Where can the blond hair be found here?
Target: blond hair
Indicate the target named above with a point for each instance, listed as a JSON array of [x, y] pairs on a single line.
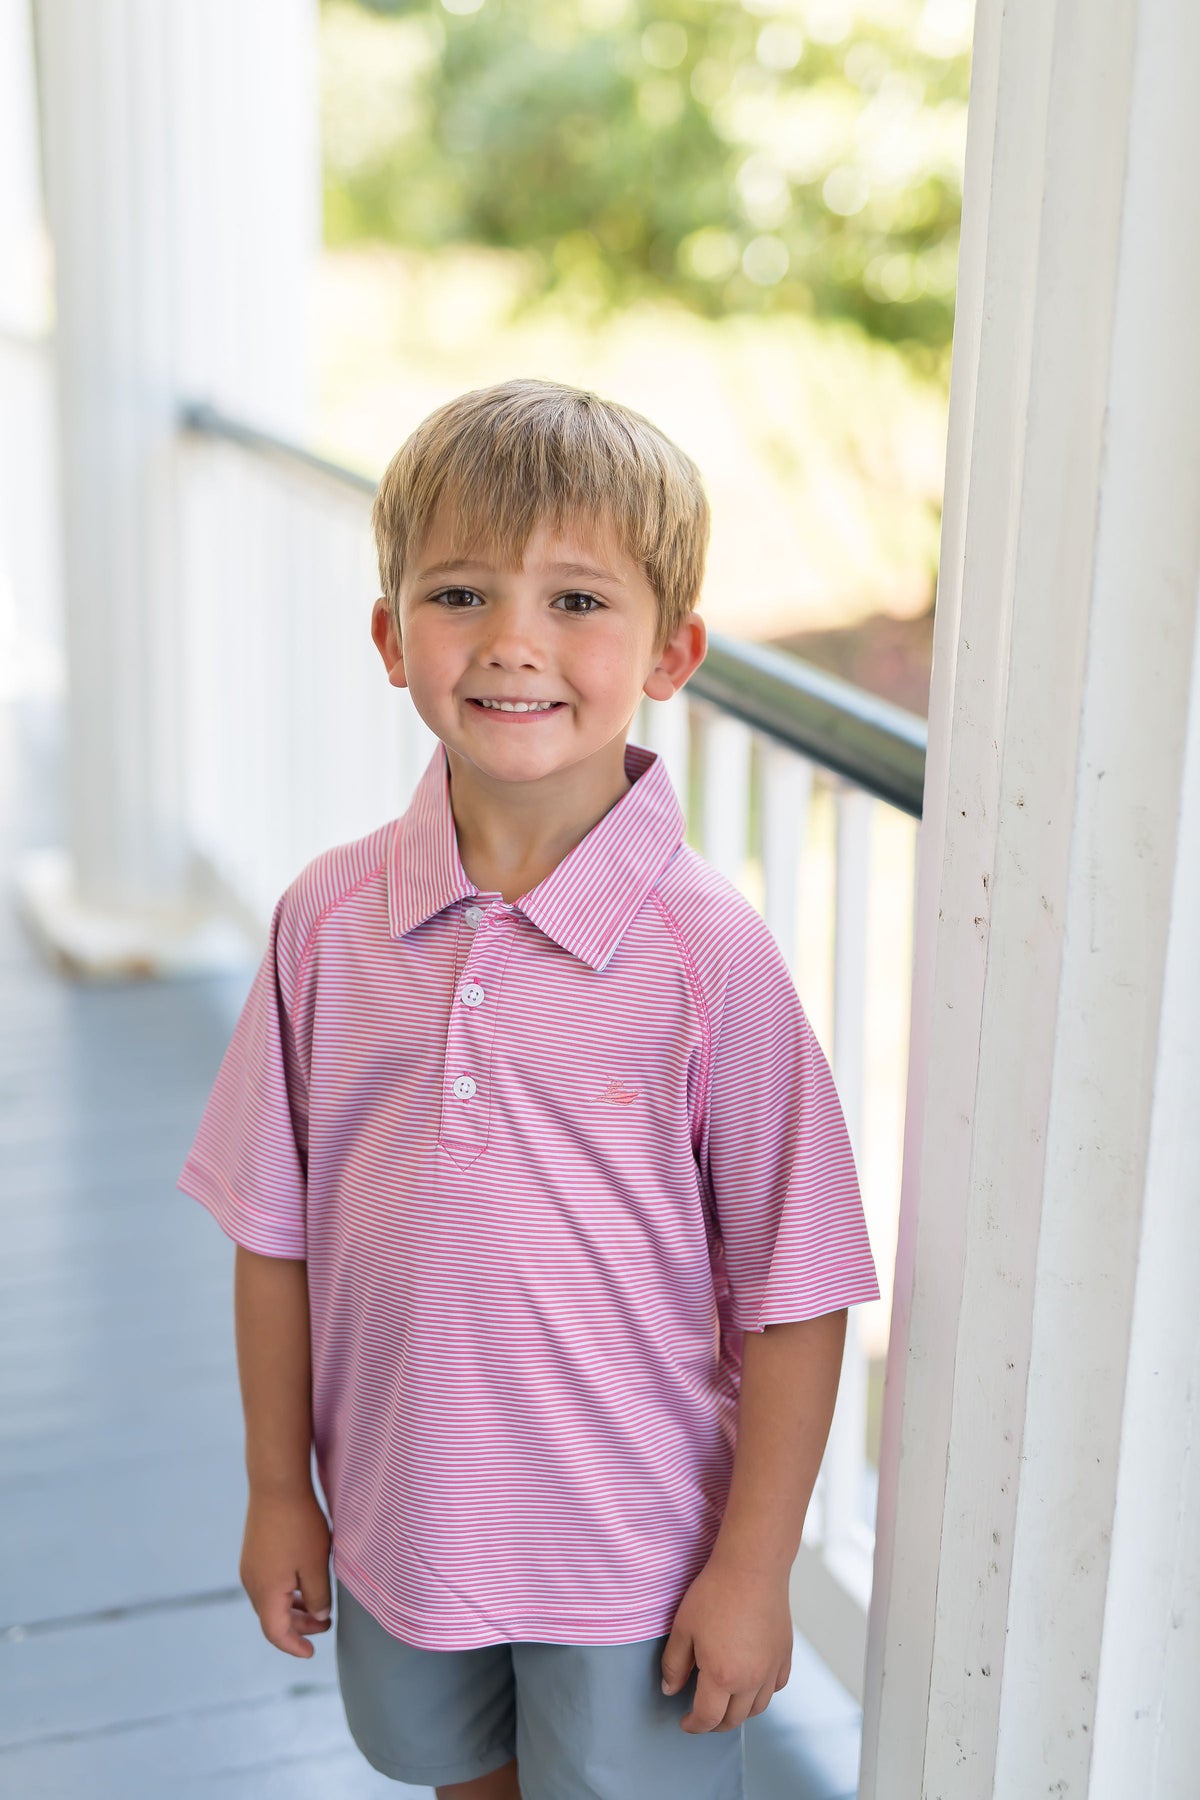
[[504, 459]]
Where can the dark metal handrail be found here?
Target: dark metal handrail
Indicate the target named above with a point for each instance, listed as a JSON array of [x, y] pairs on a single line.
[[208, 422], [872, 742]]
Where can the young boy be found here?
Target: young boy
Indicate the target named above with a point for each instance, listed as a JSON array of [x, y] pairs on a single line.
[[541, 1189]]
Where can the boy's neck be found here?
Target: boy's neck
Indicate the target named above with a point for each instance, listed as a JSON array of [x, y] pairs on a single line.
[[513, 834]]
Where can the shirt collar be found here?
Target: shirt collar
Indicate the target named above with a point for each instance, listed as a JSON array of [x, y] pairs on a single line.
[[584, 904]]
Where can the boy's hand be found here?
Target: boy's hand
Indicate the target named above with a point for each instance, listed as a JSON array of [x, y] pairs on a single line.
[[735, 1626], [285, 1568]]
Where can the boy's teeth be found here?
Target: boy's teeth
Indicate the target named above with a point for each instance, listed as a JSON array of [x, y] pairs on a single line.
[[518, 705]]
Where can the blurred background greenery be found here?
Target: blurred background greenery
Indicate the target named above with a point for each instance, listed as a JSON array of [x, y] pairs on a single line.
[[739, 216]]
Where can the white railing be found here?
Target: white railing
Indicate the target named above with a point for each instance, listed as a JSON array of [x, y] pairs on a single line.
[[295, 740], [807, 866]]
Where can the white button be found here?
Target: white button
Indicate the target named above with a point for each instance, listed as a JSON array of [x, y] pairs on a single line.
[[473, 915], [472, 994], [464, 1087]]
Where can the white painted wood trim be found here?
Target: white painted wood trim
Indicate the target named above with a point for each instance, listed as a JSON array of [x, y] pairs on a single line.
[[1048, 862], [1002, 177], [182, 184], [1116, 1070], [785, 790], [664, 726], [1147, 1726], [854, 808], [725, 747], [846, 1452], [22, 267]]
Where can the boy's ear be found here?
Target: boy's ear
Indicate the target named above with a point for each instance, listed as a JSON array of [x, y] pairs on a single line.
[[682, 653], [387, 641]]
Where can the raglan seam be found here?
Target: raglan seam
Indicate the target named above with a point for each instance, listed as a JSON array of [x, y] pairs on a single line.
[[693, 978], [310, 940]]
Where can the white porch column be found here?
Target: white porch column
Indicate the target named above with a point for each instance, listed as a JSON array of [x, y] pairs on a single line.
[[21, 271], [182, 183], [31, 662], [1035, 1623]]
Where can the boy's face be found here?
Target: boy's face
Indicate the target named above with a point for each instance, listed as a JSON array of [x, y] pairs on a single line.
[[575, 625]]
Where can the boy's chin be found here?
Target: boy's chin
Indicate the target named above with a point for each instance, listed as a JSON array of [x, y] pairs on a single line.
[[523, 754]]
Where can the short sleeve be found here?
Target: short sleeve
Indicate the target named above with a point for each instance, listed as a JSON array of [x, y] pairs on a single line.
[[248, 1163], [776, 1154]]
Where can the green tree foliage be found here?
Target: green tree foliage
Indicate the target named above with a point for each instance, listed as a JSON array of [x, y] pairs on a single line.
[[794, 155]]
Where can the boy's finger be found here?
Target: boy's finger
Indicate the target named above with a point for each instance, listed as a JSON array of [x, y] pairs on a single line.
[[279, 1626], [313, 1592], [307, 1623], [678, 1658], [709, 1706]]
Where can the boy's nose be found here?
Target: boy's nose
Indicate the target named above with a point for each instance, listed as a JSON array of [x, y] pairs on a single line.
[[512, 642]]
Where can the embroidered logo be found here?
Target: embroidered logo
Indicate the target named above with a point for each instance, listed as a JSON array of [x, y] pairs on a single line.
[[618, 1093]]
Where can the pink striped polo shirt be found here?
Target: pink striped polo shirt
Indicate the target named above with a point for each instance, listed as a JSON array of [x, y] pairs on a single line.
[[547, 1161]]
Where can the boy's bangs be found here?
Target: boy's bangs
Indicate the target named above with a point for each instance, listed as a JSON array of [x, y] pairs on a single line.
[[495, 525], [493, 465]]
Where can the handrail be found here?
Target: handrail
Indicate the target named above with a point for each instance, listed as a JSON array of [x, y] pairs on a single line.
[[206, 421], [870, 741]]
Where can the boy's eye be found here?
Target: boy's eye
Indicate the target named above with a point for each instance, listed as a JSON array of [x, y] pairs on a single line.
[[451, 597]]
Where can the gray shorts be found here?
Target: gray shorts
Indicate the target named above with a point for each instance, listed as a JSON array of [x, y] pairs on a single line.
[[585, 1721]]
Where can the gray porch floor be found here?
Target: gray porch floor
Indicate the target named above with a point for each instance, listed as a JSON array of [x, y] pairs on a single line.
[[131, 1663]]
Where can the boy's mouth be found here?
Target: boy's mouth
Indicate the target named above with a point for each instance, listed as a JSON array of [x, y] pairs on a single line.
[[516, 709]]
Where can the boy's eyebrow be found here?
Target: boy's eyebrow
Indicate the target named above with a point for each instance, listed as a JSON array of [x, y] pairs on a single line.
[[583, 570]]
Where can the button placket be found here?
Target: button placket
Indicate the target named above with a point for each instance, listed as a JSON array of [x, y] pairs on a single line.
[[470, 1036]]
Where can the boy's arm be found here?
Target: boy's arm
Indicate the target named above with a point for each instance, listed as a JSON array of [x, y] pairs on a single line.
[[287, 1540], [734, 1623], [274, 1351], [789, 1385]]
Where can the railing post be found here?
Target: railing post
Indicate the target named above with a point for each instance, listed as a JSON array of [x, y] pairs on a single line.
[[664, 726], [845, 1458], [785, 792], [725, 747]]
